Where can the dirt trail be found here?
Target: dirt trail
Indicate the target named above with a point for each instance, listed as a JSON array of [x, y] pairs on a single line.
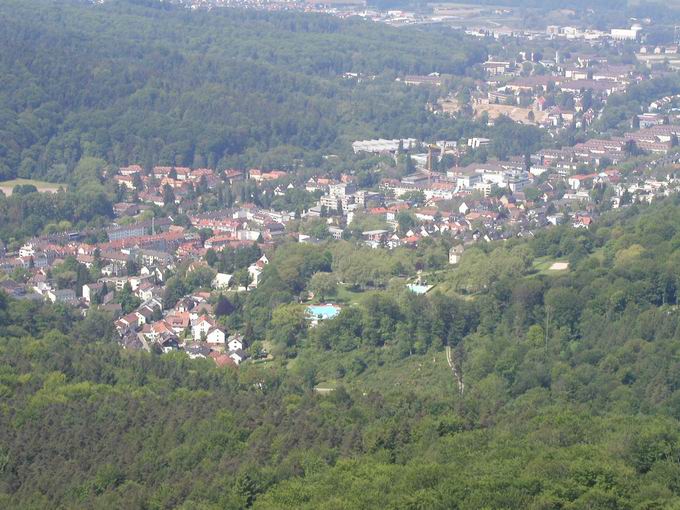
[[454, 369]]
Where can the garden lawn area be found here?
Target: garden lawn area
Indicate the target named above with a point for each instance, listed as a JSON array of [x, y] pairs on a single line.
[[549, 265], [346, 296], [447, 288]]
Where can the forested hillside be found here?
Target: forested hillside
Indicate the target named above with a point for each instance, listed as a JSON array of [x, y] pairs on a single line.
[[571, 399], [143, 82]]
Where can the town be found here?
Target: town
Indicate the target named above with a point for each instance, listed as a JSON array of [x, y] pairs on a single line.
[[463, 191], [480, 202], [339, 254]]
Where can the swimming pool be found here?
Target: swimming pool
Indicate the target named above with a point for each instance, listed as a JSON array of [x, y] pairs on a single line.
[[323, 312], [418, 289]]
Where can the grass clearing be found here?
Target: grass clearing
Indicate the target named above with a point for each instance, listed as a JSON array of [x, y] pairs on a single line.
[[447, 287], [549, 265], [347, 296], [417, 374], [43, 187], [326, 387]]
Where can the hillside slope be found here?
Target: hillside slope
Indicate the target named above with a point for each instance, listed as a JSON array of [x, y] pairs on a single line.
[[147, 83], [572, 396]]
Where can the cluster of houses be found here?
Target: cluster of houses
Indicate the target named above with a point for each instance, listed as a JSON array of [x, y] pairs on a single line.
[[483, 200], [499, 199], [189, 326], [547, 92], [657, 140], [491, 200], [551, 92]]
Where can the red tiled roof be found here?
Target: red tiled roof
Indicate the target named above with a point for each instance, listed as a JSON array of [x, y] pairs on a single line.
[[222, 360]]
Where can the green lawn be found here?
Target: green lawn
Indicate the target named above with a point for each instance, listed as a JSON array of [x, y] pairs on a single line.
[[42, 186], [446, 287], [346, 296], [542, 265]]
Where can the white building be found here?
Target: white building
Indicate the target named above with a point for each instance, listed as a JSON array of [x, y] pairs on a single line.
[[455, 254], [381, 146], [201, 327], [478, 142], [517, 181], [216, 335], [221, 281], [255, 271], [90, 290], [626, 34], [238, 356], [235, 343], [465, 178], [27, 250]]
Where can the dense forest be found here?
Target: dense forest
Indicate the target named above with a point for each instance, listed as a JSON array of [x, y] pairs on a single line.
[[571, 392], [145, 82]]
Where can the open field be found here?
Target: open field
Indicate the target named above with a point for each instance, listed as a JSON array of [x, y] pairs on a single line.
[[43, 187], [549, 265], [417, 374], [516, 113], [346, 296]]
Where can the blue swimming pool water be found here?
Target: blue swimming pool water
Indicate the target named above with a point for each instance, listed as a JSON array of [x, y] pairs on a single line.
[[418, 289], [323, 311]]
